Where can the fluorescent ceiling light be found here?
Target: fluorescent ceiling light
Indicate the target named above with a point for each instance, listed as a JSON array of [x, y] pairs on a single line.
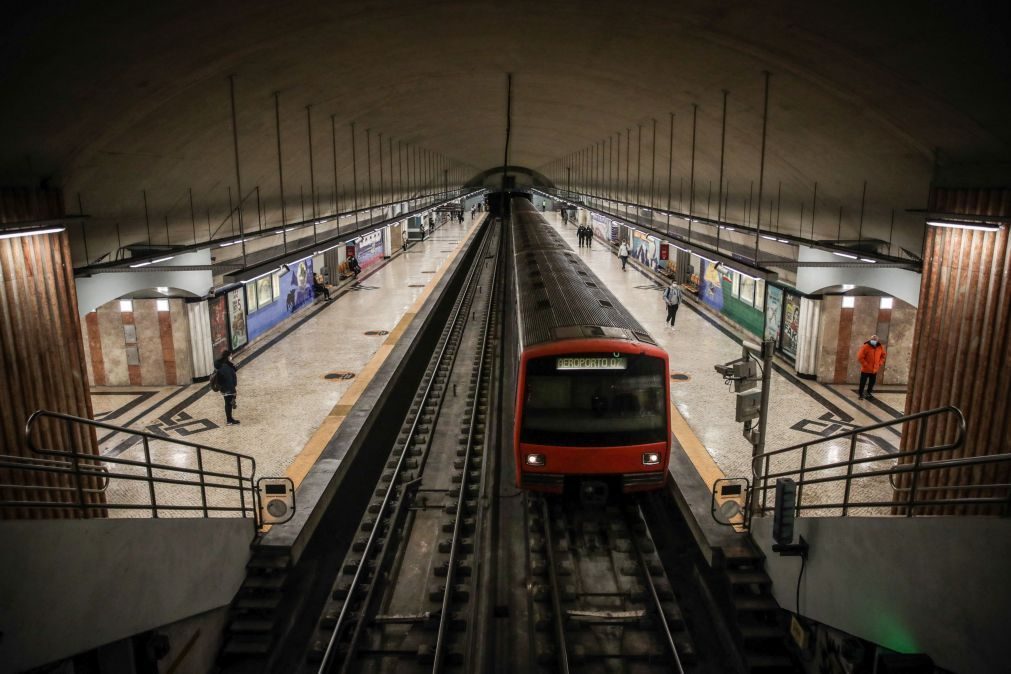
[[852, 257], [161, 259], [783, 240], [952, 224], [864, 259], [139, 264], [770, 238], [30, 232], [848, 286]]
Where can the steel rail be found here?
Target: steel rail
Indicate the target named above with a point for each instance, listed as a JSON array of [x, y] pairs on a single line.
[[657, 604], [556, 601], [440, 639], [331, 649]]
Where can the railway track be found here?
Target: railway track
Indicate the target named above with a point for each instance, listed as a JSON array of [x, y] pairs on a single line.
[[602, 601], [402, 599]]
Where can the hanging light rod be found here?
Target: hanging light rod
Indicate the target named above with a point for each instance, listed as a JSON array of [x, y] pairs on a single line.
[[986, 223], [28, 231], [957, 224]]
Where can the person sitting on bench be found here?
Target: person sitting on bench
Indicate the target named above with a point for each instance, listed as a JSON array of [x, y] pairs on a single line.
[[319, 286]]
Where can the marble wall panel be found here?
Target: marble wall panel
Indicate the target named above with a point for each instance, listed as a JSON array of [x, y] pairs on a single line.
[[831, 311], [163, 344], [900, 341], [149, 342], [181, 341], [843, 331], [110, 328]]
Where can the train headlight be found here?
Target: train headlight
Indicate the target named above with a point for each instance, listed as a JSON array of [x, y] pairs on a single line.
[[535, 459], [650, 458]]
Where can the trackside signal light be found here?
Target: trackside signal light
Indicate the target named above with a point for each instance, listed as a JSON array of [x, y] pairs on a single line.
[[650, 458], [535, 460]]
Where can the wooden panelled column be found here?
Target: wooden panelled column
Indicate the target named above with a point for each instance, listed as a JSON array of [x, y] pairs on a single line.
[[42, 362], [962, 344]]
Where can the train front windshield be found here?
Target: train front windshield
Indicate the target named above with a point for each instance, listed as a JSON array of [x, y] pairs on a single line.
[[594, 400]]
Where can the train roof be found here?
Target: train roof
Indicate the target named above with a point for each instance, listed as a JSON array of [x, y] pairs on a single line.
[[559, 296]]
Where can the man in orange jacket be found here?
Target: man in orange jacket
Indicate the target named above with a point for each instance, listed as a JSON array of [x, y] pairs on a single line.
[[872, 358]]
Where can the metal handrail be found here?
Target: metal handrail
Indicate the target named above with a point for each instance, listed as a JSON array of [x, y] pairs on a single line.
[[806, 474], [17, 462], [84, 466]]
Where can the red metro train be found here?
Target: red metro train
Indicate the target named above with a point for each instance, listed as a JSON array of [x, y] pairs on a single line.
[[593, 392]]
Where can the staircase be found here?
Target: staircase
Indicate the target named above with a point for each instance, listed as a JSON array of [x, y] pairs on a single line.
[[253, 617]]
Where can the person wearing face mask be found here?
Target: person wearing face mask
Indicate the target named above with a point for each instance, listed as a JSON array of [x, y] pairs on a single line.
[[872, 358]]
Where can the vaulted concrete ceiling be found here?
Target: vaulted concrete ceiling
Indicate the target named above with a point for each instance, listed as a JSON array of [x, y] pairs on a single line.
[[108, 99]]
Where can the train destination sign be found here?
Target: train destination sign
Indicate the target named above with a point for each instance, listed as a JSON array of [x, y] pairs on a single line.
[[592, 363]]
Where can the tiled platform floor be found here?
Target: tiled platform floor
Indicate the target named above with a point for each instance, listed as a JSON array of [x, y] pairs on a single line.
[[283, 392], [800, 410]]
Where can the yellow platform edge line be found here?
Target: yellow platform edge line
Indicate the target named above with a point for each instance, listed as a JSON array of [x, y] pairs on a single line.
[[310, 453], [696, 451]]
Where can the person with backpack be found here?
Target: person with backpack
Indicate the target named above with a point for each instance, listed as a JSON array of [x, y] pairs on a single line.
[[623, 255], [672, 298], [224, 380]]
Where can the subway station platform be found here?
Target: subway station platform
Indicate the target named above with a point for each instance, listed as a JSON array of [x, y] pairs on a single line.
[[296, 382], [704, 407]]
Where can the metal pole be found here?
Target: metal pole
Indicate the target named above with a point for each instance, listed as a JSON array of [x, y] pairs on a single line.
[[84, 232], [761, 169], [312, 171], [147, 218], [814, 207], [779, 203], [280, 167], [167, 241], [652, 171], [768, 348], [368, 168], [193, 216], [863, 202], [670, 170], [628, 157], [691, 180], [238, 174], [259, 221], [638, 170], [381, 172], [723, 149], [354, 173], [336, 186]]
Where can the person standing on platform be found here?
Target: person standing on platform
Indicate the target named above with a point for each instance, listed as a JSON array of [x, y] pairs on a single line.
[[872, 358], [672, 298], [623, 255], [589, 236], [227, 380], [579, 235]]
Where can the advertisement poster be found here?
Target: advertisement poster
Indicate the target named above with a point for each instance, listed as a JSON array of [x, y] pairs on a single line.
[[711, 285], [295, 292], [773, 312], [791, 324], [237, 318], [218, 311], [370, 249], [645, 249]]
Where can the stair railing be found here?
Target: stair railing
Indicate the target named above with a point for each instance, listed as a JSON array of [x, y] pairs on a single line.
[[904, 470], [225, 480]]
